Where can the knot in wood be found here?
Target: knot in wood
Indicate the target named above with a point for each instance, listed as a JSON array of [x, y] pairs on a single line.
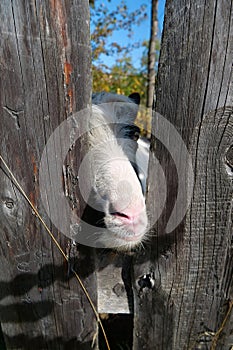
[[9, 203], [119, 289], [146, 281]]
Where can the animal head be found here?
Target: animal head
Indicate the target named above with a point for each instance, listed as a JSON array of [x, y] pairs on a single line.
[[117, 191]]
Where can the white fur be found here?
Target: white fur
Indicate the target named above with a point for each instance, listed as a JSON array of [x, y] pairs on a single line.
[[117, 188]]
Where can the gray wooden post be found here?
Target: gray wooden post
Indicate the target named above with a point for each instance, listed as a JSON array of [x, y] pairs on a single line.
[[191, 267], [45, 77]]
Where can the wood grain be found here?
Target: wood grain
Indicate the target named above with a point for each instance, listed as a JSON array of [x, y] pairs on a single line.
[[45, 77], [191, 266]]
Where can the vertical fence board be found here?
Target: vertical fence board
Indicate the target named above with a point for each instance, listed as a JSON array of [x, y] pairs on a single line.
[[45, 77], [191, 266]]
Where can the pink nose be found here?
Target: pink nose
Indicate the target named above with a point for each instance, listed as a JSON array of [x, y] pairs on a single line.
[[134, 222]]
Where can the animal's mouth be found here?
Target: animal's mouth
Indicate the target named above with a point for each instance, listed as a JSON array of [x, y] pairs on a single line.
[[133, 237], [133, 228]]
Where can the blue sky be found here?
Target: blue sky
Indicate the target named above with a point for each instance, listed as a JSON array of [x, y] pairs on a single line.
[[141, 32]]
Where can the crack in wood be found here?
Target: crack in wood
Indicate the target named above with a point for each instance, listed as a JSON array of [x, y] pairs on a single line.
[[70, 180], [14, 114]]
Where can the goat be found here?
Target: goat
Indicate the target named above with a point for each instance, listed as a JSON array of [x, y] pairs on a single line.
[[116, 189]]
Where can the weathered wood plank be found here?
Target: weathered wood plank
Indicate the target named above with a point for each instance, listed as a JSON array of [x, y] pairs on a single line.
[[191, 266], [45, 76], [115, 294]]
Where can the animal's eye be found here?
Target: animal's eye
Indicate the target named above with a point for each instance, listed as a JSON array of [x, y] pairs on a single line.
[[136, 135], [132, 132]]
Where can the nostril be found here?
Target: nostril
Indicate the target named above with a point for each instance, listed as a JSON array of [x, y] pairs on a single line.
[[121, 215]]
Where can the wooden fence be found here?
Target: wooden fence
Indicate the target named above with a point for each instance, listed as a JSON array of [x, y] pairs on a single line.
[[179, 290]]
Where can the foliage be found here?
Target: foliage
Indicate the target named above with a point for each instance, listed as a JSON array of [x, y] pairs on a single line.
[[122, 77], [105, 22]]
